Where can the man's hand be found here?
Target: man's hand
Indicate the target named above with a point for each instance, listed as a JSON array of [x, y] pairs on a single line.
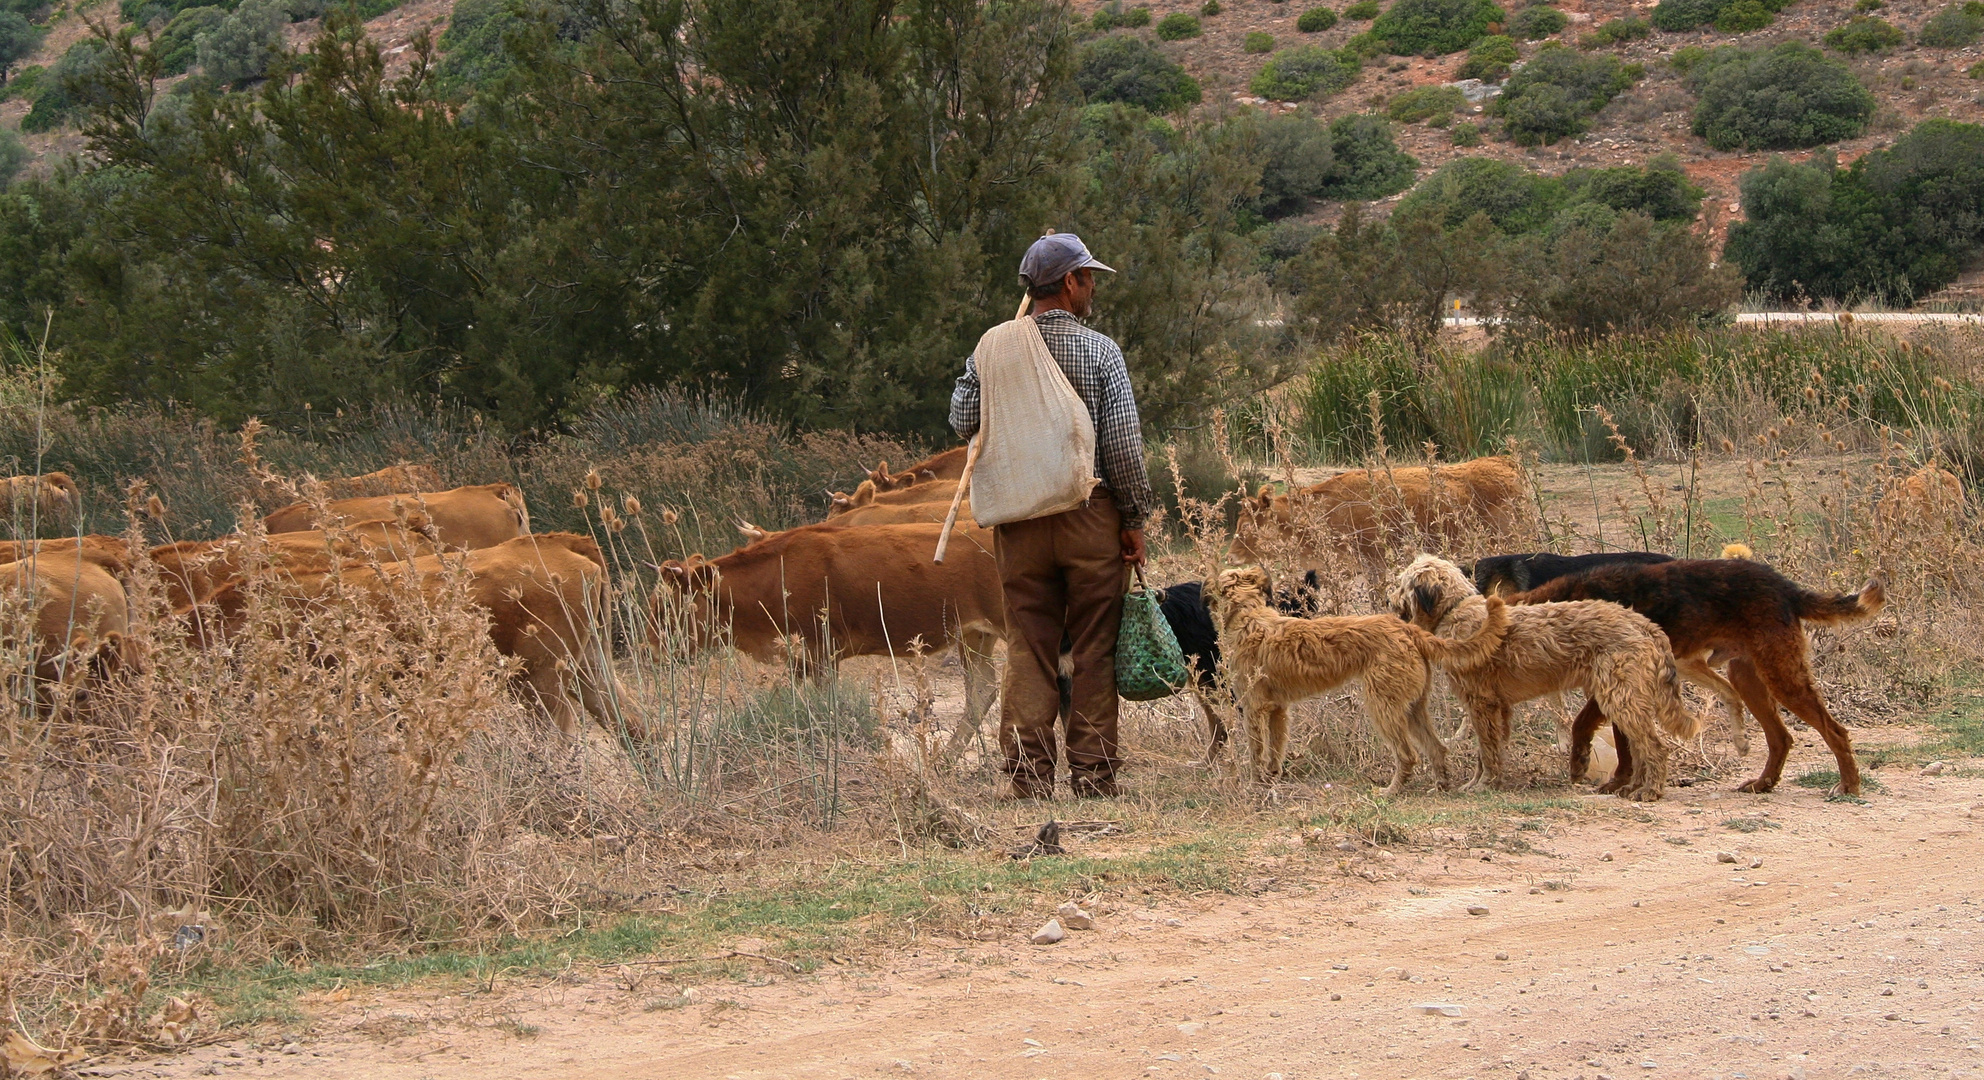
[[1133, 546]]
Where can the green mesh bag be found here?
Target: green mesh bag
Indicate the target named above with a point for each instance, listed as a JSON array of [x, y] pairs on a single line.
[[1149, 664]]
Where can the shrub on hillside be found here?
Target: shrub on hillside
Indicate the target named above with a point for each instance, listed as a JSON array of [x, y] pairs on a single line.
[[1303, 72], [1898, 224], [1467, 133], [1113, 16], [1298, 160], [1424, 103], [25, 84], [1257, 41], [1536, 22], [1660, 190], [1126, 68], [1743, 16], [1786, 97], [1678, 15], [1557, 92], [19, 38], [1210, 8], [1316, 20], [1616, 32], [243, 45], [1435, 27], [1954, 26], [13, 157], [1863, 34], [1362, 10], [67, 87], [1513, 198], [1369, 164], [1489, 59], [177, 46], [1687, 58], [1869, 5], [1178, 26]]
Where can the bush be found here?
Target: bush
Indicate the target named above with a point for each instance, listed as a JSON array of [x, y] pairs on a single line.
[[68, 87], [1953, 27], [1316, 20], [1435, 27], [177, 46], [1536, 22], [19, 38], [1467, 133], [1660, 190], [1514, 199], [1210, 8], [25, 84], [1869, 5], [1126, 68], [1687, 58], [1744, 16], [1786, 97], [1898, 224], [1114, 16], [1557, 93], [1362, 11], [243, 45], [1620, 273], [1863, 34], [1257, 41], [13, 156], [1303, 72], [1369, 164], [1178, 26], [1489, 59], [1976, 71], [1364, 46], [472, 47], [1298, 163], [1617, 31], [1425, 102]]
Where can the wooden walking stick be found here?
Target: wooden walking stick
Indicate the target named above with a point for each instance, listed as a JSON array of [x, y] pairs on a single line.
[[970, 461]]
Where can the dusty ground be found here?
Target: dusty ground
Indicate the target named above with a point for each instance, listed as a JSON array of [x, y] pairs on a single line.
[[1844, 940]]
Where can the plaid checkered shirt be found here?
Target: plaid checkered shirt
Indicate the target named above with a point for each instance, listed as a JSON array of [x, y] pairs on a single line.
[[1094, 366]]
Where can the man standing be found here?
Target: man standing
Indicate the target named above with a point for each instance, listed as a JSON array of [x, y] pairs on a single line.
[[1064, 573]]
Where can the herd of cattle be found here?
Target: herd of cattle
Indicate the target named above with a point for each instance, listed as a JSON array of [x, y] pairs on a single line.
[[860, 583]]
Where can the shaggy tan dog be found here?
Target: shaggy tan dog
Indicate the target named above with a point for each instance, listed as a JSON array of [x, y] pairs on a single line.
[[1620, 659], [1278, 660]]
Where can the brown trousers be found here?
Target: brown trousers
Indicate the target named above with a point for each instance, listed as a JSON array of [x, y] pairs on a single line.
[[1062, 574]]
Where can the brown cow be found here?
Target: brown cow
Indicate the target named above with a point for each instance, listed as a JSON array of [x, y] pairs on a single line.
[[867, 494], [109, 550], [862, 591], [194, 570], [398, 479], [81, 620], [546, 599], [53, 497], [466, 517], [948, 465], [1369, 511]]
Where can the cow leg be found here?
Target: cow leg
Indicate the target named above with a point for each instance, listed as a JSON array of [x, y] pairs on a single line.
[[975, 658]]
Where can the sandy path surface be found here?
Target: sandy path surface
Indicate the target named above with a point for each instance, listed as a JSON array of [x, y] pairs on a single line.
[[1619, 946]]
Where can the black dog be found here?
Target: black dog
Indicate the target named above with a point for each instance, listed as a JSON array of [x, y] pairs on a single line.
[[1505, 574]]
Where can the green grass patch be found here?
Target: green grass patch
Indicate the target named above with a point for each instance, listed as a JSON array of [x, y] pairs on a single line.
[[1823, 779]]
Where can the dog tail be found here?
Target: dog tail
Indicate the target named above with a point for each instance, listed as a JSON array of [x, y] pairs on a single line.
[[1471, 651], [1842, 607], [1676, 718]]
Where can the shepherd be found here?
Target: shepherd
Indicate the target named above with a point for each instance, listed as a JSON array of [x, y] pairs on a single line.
[[1064, 572]]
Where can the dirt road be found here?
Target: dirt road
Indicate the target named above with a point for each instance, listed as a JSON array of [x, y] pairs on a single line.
[[1843, 940]]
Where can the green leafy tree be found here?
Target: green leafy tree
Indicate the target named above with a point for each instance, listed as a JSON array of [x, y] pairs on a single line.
[[1863, 34], [1178, 26], [1785, 97], [68, 87], [1536, 22], [1396, 275], [1303, 72], [1298, 162], [1369, 164], [1616, 273], [1126, 68], [1112, 16], [1435, 27], [13, 157], [177, 45], [1557, 92], [1509, 196], [1660, 189], [243, 45], [19, 38], [1675, 16], [472, 52]]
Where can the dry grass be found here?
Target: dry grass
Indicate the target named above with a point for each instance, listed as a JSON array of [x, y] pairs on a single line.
[[354, 778]]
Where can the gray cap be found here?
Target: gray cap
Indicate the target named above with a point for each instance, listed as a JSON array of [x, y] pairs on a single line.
[[1051, 258]]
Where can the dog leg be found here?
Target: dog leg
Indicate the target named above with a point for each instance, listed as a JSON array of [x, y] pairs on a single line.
[[1790, 681], [1215, 727], [1421, 732], [1622, 776], [1777, 736], [1277, 737], [1491, 730], [1695, 669], [1583, 727]]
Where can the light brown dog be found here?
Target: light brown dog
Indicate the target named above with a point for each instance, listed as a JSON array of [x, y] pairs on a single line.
[[1618, 658], [1367, 511], [1278, 660]]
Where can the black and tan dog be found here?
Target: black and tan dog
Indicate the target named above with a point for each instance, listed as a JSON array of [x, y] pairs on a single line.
[[1504, 575], [1712, 609]]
